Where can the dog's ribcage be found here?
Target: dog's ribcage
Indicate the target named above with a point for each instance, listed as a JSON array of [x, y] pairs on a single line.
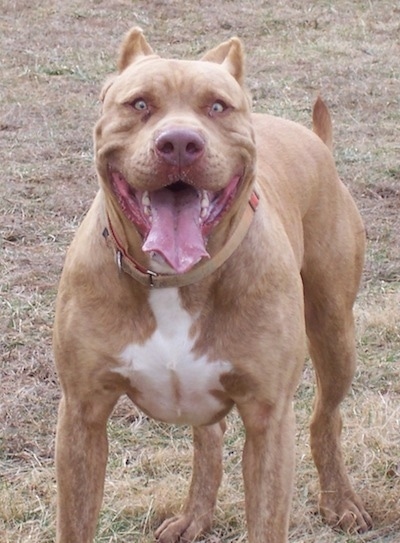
[[169, 381]]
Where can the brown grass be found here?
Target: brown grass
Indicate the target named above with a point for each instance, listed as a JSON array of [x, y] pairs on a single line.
[[54, 56]]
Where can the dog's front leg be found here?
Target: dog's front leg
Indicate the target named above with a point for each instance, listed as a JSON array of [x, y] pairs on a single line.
[[198, 511], [81, 457], [268, 465]]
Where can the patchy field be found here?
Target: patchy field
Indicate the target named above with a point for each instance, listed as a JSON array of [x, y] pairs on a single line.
[[54, 57]]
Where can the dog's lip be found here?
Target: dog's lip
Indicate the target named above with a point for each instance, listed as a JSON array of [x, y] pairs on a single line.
[[130, 201], [136, 203]]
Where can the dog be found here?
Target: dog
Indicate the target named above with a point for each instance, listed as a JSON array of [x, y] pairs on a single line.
[[219, 244]]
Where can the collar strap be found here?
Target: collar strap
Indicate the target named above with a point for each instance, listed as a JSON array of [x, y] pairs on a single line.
[[150, 278]]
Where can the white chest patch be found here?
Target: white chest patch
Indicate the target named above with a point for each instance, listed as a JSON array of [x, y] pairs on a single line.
[[169, 381]]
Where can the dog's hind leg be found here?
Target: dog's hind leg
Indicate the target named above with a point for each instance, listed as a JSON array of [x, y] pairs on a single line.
[[331, 277], [198, 511], [334, 362]]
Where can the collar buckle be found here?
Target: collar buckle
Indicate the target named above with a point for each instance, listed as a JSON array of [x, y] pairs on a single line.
[[118, 260], [151, 274]]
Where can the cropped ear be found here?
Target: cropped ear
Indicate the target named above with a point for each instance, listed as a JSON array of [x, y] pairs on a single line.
[[133, 46], [229, 54]]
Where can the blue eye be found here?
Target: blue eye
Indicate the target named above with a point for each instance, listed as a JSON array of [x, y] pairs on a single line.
[[140, 105], [218, 107]]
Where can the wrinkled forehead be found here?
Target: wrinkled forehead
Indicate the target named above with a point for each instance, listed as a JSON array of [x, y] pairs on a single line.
[[167, 77]]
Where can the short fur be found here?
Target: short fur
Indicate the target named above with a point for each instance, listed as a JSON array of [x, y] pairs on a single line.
[[238, 336]]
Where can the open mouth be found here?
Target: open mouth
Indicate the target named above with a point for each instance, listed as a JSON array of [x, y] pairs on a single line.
[[176, 220]]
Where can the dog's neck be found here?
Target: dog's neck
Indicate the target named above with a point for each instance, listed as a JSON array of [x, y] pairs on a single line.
[[127, 264]]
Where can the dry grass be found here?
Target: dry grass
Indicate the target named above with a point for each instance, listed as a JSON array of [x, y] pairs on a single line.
[[54, 56]]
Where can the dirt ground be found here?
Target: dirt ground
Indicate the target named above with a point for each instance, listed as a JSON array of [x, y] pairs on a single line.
[[54, 56]]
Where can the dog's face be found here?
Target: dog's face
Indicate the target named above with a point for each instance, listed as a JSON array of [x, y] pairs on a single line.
[[175, 147]]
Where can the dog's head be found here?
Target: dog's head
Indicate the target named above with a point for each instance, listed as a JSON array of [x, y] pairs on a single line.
[[175, 147]]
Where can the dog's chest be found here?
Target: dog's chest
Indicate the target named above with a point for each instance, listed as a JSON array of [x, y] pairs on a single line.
[[169, 381]]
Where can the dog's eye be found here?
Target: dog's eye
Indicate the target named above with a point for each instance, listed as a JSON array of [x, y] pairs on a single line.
[[218, 107], [140, 105]]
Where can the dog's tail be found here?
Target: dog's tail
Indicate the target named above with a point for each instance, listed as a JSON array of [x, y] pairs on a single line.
[[322, 123]]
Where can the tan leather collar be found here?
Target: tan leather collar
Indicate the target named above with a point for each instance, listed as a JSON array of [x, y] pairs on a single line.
[[150, 278]]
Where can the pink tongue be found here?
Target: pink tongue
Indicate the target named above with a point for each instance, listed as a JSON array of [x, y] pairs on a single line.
[[175, 231]]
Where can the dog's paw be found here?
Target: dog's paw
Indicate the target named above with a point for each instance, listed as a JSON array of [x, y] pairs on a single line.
[[183, 527], [347, 514]]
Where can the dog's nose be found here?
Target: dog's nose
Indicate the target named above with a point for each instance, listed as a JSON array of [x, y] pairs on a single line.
[[180, 146]]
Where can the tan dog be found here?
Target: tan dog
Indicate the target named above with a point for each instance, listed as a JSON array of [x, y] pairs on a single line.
[[191, 286]]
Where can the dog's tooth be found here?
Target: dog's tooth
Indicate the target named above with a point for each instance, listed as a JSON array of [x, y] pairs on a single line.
[[205, 200], [146, 199], [146, 204], [204, 204]]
